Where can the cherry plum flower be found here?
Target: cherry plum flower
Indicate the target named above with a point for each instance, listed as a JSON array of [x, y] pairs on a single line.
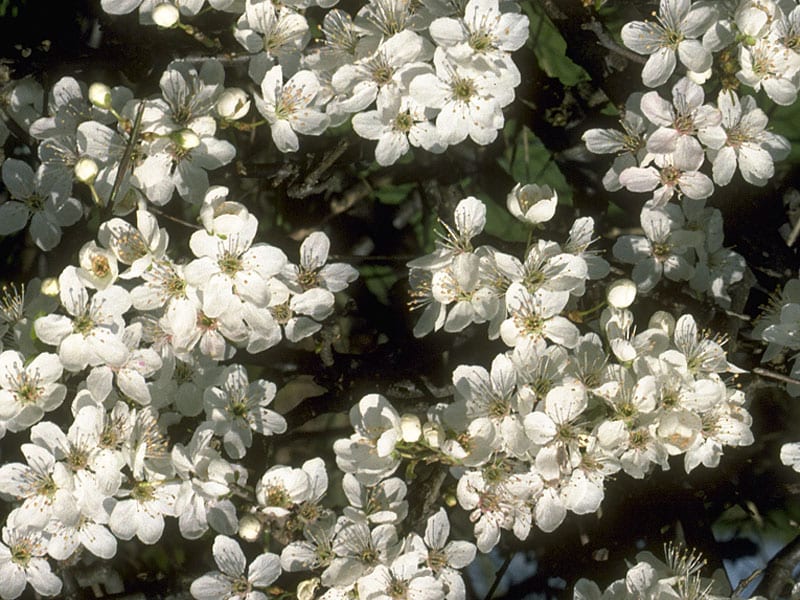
[[22, 561], [675, 32], [28, 391], [239, 407], [287, 107], [34, 197], [468, 99], [748, 145], [93, 335], [230, 582]]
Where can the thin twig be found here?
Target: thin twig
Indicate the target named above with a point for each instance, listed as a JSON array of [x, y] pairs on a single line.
[[746, 581], [794, 234], [499, 575], [161, 213], [358, 258], [776, 376], [606, 41], [308, 186], [133, 140]]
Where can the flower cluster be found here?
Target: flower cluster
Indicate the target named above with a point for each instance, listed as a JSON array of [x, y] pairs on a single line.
[[459, 284], [117, 376], [679, 575], [140, 336], [432, 75], [682, 243], [779, 328], [537, 434], [759, 35], [665, 142]]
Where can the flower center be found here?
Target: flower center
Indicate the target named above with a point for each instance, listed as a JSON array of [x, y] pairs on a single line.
[[34, 202], [206, 323], [47, 487], [437, 560], [684, 124], [12, 303], [638, 439], [278, 496], [143, 491], [368, 556], [83, 324], [308, 279], [737, 137], [670, 175], [403, 122], [498, 408], [480, 41], [566, 433], [238, 408], [100, 266], [78, 458], [464, 89], [397, 589], [240, 586], [229, 264], [28, 391], [184, 372], [281, 313], [382, 74], [661, 250], [672, 38], [530, 325], [21, 553]]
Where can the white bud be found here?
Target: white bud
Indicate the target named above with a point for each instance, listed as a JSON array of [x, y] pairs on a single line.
[[50, 287], [662, 320], [249, 528], [699, 77], [410, 427], [433, 434], [233, 103], [307, 588], [85, 170], [166, 15], [100, 95], [532, 203], [621, 293], [186, 139]]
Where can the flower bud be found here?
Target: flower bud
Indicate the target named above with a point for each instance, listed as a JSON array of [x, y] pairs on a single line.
[[664, 321], [100, 95], [532, 203], [433, 434], [186, 139], [699, 77], [85, 170], [621, 293], [233, 103], [166, 15], [50, 286], [307, 588], [410, 427], [249, 528]]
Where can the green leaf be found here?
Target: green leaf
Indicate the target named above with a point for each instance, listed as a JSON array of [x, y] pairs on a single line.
[[394, 194], [379, 279], [784, 120], [527, 160], [550, 48], [502, 224]]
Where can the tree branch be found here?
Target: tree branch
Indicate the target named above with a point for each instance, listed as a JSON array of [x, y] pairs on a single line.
[[778, 573]]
